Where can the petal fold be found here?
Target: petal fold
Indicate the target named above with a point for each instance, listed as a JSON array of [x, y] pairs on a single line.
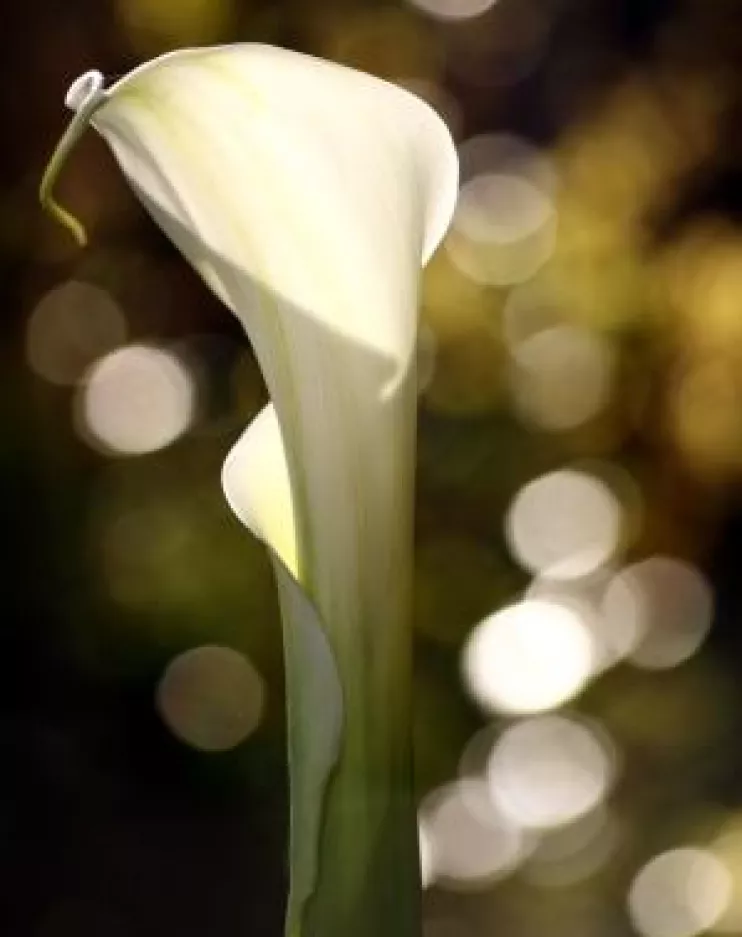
[[256, 483]]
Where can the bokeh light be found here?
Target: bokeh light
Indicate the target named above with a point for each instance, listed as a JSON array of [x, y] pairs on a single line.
[[562, 377], [528, 310], [211, 698], [565, 525], [503, 231], [472, 769], [679, 893], [528, 657], [504, 228], [727, 848], [136, 400], [550, 770], [453, 9], [704, 415], [509, 155], [663, 607], [570, 854], [469, 850], [500, 208], [70, 327], [584, 597]]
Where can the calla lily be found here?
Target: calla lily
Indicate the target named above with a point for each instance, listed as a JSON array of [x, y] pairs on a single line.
[[308, 195]]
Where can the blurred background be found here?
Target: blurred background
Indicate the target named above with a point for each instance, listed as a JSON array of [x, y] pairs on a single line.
[[578, 592]]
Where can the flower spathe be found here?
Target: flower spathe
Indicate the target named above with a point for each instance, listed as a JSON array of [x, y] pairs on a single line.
[[308, 195]]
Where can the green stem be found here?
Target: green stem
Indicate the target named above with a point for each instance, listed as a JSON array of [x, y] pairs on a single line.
[[368, 879], [85, 96], [368, 876]]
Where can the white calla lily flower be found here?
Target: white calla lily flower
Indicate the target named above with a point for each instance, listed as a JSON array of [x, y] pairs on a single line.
[[308, 195]]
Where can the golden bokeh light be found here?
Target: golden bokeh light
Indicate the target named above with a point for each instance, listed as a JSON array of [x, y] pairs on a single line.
[[528, 311], [679, 893], [562, 377], [727, 848], [508, 155], [700, 277], [453, 305], [625, 161], [385, 41], [467, 378], [705, 416], [156, 25], [504, 229]]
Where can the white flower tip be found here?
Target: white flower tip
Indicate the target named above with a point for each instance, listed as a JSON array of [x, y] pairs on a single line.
[[84, 90]]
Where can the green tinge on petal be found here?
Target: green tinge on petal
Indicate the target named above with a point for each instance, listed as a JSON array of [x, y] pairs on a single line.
[[256, 484], [315, 725]]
